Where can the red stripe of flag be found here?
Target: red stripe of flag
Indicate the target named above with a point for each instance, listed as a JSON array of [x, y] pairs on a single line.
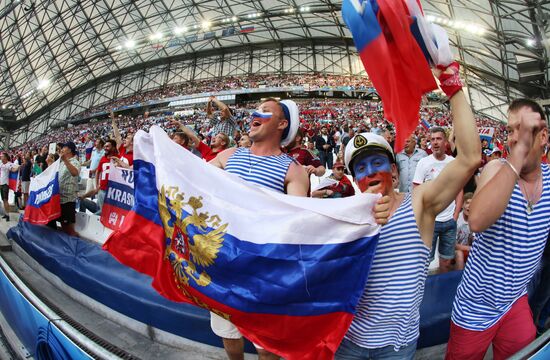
[[392, 58]]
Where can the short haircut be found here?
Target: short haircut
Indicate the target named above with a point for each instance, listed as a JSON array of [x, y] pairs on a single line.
[[182, 136], [112, 142], [436, 129], [225, 138], [531, 104], [468, 196]]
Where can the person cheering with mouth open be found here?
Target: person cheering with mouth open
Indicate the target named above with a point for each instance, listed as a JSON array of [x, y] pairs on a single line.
[[386, 323], [272, 126]]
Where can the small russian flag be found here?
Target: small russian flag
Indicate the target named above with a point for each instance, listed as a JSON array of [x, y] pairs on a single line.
[[425, 124], [12, 181], [247, 29]]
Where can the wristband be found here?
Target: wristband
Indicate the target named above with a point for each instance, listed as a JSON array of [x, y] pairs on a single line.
[[450, 84]]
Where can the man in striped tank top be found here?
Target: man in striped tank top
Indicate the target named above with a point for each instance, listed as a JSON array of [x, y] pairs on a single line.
[[509, 214], [386, 323], [273, 125]]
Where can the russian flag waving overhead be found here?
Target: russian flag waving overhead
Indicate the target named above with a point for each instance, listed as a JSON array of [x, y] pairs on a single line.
[[287, 271], [393, 59], [12, 180], [44, 202]]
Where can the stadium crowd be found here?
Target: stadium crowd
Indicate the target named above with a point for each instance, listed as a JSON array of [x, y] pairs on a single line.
[[328, 141], [309, 81]]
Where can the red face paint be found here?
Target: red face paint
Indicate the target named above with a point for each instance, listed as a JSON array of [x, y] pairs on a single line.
[[384, 187]]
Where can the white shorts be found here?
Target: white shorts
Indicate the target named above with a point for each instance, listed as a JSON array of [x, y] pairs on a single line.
[[225, 329], [25, 186]]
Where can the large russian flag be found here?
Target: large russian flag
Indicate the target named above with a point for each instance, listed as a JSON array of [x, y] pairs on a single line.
[[287, 271], [44, 202], [119, 199], [393, 59], [12, 180]]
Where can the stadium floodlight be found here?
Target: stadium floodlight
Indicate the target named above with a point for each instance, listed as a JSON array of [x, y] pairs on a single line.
[[156, 36], [530, 42], [4, 107], [475, 29], [118, 48], [42, 84], [234, 18], [430, 18], [27, 94], [460, 25], [179, 30], [206, 25], [129, 44]]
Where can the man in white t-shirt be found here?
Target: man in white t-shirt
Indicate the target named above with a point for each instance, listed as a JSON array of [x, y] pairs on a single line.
[[429, 168], [6, 166]]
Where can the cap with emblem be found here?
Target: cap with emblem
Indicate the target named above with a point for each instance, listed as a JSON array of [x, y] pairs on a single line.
[[365, 142]]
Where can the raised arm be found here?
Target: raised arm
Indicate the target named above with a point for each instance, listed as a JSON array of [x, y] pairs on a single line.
[[439, 193], [209, 108], [224, 109], [116, 132], [498, 178], [190, 133]]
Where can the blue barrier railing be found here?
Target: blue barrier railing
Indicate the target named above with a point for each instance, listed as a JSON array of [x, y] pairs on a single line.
[[39, 334]]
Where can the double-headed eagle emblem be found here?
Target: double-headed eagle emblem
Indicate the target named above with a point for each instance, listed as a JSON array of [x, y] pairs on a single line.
[[193, 238]]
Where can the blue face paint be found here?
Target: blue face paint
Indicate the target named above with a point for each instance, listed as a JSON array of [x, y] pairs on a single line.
[[370, 165]]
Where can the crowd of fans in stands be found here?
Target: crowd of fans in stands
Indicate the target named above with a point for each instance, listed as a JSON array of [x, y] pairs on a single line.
[[326, 127], [309, 81]]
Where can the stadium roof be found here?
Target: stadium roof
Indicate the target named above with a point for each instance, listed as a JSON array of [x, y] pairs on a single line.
[[51, 51]]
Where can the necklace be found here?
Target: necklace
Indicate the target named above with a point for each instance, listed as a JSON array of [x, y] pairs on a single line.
[[257, 162], [530, 198]]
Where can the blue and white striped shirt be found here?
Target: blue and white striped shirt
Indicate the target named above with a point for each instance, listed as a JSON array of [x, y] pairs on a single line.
[[388, 312], [267, 171], [502, 261]]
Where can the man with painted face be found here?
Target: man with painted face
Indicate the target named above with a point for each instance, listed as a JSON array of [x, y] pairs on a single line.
[[386, 323], [272, 126]]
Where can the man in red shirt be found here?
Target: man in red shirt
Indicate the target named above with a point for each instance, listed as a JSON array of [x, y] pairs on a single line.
[[125, 149], [311, 163], [219, 143]]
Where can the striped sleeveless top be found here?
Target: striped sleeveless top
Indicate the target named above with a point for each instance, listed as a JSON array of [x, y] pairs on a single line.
[[388, 312], [267, 171], [502, 261]]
